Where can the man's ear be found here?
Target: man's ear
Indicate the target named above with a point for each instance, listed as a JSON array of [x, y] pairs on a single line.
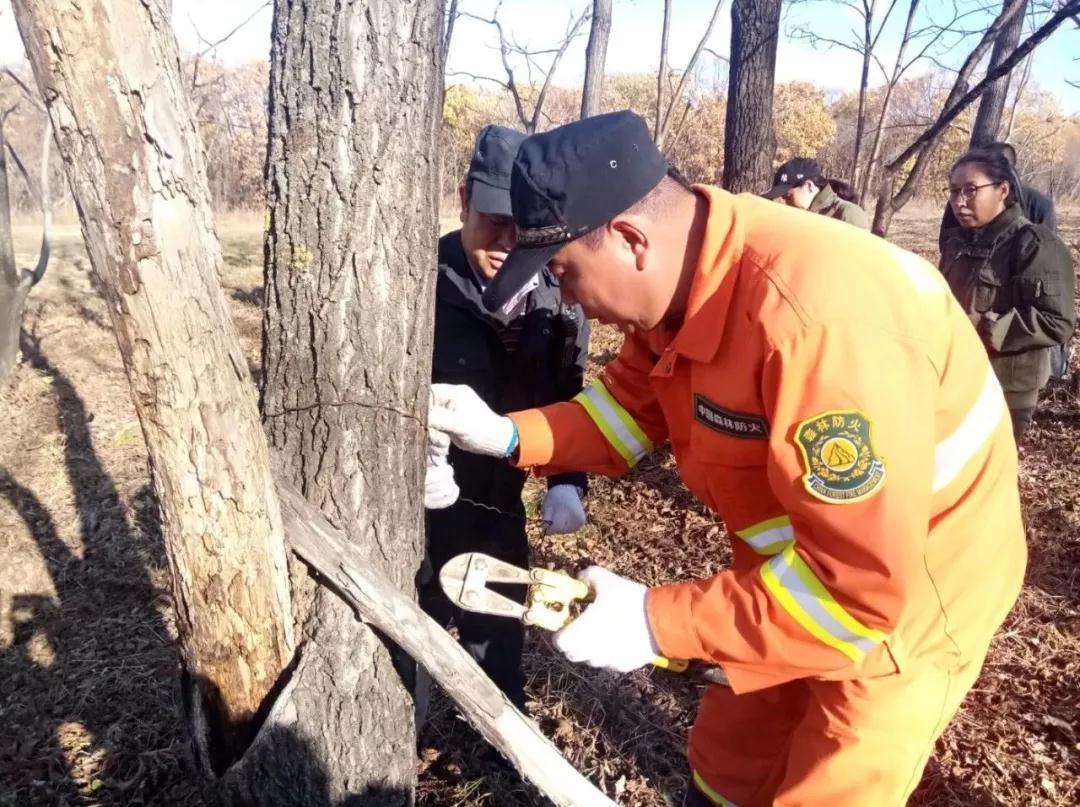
[[463, 197], [630, 237]]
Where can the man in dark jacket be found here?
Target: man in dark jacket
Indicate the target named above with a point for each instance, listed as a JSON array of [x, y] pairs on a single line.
[[531, 353]]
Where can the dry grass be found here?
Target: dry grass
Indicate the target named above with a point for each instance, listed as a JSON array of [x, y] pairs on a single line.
[[88, 665]]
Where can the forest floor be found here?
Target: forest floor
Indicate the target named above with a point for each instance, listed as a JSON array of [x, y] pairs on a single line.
[[89, 695]]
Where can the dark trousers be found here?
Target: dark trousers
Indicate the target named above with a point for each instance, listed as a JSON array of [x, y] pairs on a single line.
[[1021, 420], [495, 642]]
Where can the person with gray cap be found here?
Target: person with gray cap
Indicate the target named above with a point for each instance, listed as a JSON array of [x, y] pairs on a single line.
[[530, 352]]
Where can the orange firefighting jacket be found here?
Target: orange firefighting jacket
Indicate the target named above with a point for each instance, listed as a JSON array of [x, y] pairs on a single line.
[[830, 400]]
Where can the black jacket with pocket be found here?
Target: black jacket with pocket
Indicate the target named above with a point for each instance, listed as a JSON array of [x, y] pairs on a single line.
[[537, 359], [1015, 280]]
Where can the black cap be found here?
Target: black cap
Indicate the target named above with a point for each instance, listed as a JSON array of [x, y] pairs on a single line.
[[489, 170], [794, 172], [569, 181]]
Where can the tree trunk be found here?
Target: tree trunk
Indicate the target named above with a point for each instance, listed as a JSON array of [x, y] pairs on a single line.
[[749, 142], [350, 250], [125, 132], [595, 56], [661, 72], [992, 103], [14, 285], [864, 83], [867, 178]]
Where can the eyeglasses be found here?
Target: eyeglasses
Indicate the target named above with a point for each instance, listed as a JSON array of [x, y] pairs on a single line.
[[967, 192]]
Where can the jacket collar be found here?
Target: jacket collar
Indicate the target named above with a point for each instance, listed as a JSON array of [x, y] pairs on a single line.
[[1006, 220], [458, 286], [714, 279], [825, 200]]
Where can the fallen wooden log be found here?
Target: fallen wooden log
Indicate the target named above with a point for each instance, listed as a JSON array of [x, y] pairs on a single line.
[[326, 550]]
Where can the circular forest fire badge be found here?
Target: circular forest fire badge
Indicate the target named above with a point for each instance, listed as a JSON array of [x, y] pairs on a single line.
[[839, 457]]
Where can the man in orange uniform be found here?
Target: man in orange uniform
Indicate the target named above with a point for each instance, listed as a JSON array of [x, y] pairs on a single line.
[[822, 391]]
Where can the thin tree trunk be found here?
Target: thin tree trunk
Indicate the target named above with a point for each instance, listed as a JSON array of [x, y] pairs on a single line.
[[13, 284], [350, 250], [595, 56], [864, 83], [867, 178], [661, 73], [992, 103], [127, 137], [749, 142]]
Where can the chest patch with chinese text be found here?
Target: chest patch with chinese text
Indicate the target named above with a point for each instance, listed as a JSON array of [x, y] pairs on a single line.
[[838, 454], [725, 421]]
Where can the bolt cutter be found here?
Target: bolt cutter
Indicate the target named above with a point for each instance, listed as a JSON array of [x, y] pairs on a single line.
[[552, 599]]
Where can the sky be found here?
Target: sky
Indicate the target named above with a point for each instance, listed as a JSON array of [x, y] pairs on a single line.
[[634, 42]]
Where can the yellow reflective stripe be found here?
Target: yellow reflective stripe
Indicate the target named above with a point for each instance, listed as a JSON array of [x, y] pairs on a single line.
[[769, 537], [805, 598], [953, 453], [614, 422], [711, 794]]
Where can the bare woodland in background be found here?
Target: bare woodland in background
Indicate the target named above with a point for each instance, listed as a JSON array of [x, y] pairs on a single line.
[[346, 336], [853, 134]]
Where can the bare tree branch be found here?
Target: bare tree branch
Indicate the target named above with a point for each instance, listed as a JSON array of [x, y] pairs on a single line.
[[958, 100], [211, 46], [31, 96], [676, 96], [507, 47]]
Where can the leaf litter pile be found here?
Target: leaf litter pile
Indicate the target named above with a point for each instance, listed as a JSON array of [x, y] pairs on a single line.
[[89, 696]]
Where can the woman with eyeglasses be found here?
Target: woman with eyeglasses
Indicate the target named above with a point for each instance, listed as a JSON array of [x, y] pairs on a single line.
[[1014, 278]]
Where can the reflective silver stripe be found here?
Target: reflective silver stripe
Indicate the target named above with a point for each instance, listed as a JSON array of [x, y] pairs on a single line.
[[769, 537], [616, 424], [954, 452], [810, 603]]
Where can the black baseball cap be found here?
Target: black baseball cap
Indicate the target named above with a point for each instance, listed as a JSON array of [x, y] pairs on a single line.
[[489, 169], [794, 172], [569, 181]]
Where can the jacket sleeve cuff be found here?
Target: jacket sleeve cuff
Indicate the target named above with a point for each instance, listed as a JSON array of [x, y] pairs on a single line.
[[536, 442], [671, 620]]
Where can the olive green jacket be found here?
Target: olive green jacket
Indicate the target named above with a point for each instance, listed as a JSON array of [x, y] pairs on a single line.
[[827, 203], [1015, 280]]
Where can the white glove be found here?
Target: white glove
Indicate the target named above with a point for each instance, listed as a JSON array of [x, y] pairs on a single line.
[[614, 630], [457, 410], [562, 511], [440, 489]]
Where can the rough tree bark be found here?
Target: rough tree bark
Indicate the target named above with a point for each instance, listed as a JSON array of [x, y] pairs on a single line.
[[595, 56], [749, 141], [109, 72], [992, 103], [350, 256]]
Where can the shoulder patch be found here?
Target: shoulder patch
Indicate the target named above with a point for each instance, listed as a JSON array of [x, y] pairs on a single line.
[[726, 421], [838, 454]]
